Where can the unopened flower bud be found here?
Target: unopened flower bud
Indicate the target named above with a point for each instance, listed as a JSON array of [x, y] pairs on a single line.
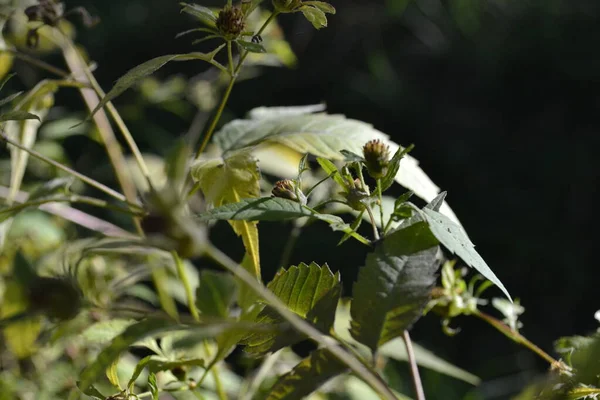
[[288, 189], [377, 158], [230, 22]]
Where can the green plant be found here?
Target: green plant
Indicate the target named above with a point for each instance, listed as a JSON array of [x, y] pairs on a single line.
[[76, 308]]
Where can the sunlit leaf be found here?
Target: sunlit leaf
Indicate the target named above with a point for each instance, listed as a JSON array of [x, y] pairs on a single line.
[[306, 377], [315, 16], [455, 239], [394, 286], [310, 291], [322, 135], [229, 180]]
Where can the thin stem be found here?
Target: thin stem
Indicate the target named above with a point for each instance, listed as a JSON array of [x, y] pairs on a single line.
[[227, 93], [68, 170], [38, 63], [229, 58], [70, 199], [318, 183], [186, 285], [373, 223], [414, 369], [215, 371], [518, 338], [301, 325], [289, 245], [217, 116], [264, 369], [380, 197]]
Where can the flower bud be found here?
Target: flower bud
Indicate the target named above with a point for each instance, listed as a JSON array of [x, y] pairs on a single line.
[[230, 22], [377, 158], [288, 189]]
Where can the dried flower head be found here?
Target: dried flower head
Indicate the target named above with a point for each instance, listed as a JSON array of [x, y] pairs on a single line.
[[231, 22], [288, 189]]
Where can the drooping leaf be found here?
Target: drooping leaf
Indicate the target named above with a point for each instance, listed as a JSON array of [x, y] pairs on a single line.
[[306, 377], [119, 344], [394, 286], [322, 135], [138, 73], [251, 46], [276, 209], [310, 291], [315, 16], [17, 115], [455, 239], [229, 180], [216, 293]]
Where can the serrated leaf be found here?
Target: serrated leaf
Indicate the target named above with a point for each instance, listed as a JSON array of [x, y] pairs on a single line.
[[306, 377], [229, 180], [17, 115], [251, 46], [141, 71], [322, 135], [425, 358], [119, 344], [394, 286], [455, 239], [216, 293], [310, 291], [276, 209], [315, 16]]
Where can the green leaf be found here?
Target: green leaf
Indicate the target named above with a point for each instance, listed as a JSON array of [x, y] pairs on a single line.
[[436, 203], [202, 13], [104, 331], [352, 157], [112, 375], [10, 98], [322, 135], [394, 286], [251, 46], [310, 291], [306, 377], [393, 168], [139, 367], [17, 115], [275, 209], [20, 336], [585, 361], [455, 239], [397, 350], [153, 386], [119, 344], [321, 5], [331, 170], [216, 293], [315, 16], [138, 73]]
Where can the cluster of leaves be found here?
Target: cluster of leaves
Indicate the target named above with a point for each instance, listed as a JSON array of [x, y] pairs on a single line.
[[105, 314]]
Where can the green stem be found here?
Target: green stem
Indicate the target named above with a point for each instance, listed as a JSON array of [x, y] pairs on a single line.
[[289, 245], [215, 371], [414, 369], [37, 63], [68, 170], [301, 325], [227, 93], [229, 58], [373, 223], [518, 338], [380, 197], [186, 285], [69, 199]]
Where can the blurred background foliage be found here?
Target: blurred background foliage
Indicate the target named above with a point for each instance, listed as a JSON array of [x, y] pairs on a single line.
[[501, 99]]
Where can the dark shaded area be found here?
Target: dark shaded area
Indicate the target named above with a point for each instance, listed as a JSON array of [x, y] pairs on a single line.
[[501, 99]]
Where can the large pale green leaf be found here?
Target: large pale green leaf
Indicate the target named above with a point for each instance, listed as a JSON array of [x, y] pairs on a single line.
[[394, 286], [141, 71], [306, 377], [323, 135], [310, 291], [455, 239], [216, 293], [275, 209], [229, 180]]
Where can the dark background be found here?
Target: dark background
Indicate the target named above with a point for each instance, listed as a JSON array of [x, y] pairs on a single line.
[[501, 99]]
